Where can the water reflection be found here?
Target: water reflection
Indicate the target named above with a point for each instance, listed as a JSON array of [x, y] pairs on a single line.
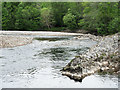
[[50, 39], [53, 38], [61, 53]]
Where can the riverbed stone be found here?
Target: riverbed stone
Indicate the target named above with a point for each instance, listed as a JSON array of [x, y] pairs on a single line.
[[13, 41], [101, 57]]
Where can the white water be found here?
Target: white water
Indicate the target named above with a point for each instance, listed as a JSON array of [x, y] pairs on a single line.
[[37, 65]]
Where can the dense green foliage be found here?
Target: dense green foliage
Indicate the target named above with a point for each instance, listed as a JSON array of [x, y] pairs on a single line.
[[98, 17], [70, 20], [0, 15]]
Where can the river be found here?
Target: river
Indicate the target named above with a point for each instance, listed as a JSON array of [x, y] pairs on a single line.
[[38, 65]]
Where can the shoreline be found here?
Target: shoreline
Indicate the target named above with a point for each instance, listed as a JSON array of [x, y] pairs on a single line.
[[9, 39], [101, 58], [13, 41], [41, 33], [97, 59]]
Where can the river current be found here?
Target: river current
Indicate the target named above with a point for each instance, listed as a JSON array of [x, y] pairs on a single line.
[[38, 65]]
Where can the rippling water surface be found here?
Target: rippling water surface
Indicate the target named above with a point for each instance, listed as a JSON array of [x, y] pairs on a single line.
[[38, 65]]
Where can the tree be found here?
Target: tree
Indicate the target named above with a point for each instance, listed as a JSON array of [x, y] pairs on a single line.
[[47, 17], [69, 20], [100, 17], [5, 19], [59, 9], [76, 8], [8, 15], [97, 17], [28, 17], [0, 15]]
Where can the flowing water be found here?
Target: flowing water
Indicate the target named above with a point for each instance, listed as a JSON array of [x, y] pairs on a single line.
[[38, 65]]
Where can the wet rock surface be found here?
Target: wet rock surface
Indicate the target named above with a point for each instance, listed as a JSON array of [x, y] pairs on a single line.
[[103, 57]]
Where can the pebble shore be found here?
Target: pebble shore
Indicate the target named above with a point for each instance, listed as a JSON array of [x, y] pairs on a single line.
[[103, 57], [12, 41]]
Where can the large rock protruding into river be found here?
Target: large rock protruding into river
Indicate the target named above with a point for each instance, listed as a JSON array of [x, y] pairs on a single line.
[[102, 57]]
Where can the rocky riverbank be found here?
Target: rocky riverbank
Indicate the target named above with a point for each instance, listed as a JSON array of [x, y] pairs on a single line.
[[16, 38], [7, 41], [103, 57]]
